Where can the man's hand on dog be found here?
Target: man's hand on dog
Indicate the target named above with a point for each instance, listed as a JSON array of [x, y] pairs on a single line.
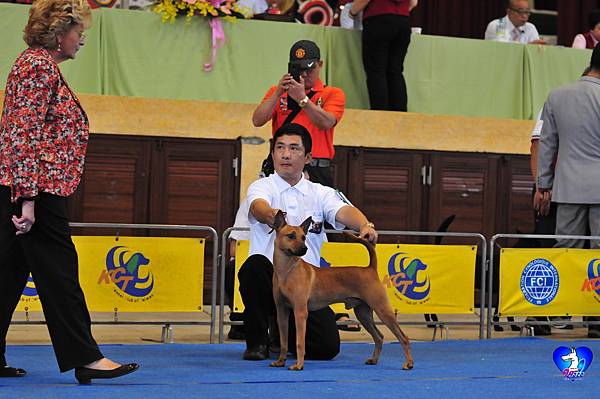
[[368, 232]]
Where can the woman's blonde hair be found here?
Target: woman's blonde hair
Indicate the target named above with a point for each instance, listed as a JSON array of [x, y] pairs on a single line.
[[49, 19]]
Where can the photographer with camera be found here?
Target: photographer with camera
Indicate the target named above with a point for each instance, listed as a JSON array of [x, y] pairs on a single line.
[[301, 97]]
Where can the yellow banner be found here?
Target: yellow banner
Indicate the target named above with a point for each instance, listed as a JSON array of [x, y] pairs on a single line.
[[419, 278], [242, 250], [549, 282], [136, 274]]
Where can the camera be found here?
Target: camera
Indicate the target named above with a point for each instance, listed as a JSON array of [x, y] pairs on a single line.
[[294, 70]]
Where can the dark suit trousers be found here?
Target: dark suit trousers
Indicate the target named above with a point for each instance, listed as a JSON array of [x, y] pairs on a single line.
[[47, 251], [385, 41], [256, 288]]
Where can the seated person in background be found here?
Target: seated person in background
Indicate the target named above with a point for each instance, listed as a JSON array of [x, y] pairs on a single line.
[[590, 38], [289, 191], [513, 27]]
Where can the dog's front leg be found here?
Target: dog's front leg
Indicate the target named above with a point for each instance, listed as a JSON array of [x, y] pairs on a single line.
[[283, 315], [300, 316]]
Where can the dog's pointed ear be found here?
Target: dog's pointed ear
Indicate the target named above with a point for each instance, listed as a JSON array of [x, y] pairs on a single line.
[[306, 224], [279, 220]]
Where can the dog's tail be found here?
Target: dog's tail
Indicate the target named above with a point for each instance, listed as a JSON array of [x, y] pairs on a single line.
[[370, 247], [444, 228]]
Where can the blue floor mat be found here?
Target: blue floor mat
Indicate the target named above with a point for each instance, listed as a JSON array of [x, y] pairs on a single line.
[[458, 369]]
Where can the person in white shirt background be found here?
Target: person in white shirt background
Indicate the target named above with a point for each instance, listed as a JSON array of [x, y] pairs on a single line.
[[514, 26]]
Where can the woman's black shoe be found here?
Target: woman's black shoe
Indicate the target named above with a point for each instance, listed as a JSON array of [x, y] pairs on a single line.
[[85, 375], [12, 372]]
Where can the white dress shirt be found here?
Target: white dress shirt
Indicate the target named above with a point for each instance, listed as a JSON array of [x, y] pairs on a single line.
[[299, 202], [241, 220], [503, 30], [537, 129]]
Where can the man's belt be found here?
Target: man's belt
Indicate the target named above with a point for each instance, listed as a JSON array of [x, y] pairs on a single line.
[[321, 162]]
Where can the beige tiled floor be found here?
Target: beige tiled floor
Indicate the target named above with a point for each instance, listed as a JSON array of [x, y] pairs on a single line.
[[140, 334]]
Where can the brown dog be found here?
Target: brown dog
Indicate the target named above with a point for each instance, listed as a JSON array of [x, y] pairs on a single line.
[[303, 287]]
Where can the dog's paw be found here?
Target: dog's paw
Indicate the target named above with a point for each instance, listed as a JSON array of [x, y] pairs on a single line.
[[407, 366], [295, 367], [371, 362], [278, 363]]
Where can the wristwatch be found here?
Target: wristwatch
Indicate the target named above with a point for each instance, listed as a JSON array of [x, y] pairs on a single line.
[[368, 224], [302, 103]]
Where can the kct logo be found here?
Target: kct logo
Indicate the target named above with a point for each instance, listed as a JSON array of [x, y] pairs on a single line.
[[30, 289], [592, 283], [30, 294], [408, 276], [130, 273]]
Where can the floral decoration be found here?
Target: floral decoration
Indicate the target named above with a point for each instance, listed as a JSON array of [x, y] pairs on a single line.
[[215, 10], [171, 9]]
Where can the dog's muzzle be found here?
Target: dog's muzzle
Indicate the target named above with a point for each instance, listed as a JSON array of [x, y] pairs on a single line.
[[301, 251]]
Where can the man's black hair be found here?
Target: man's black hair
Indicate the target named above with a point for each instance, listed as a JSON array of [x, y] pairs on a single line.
[[294, 129], [594, 18]]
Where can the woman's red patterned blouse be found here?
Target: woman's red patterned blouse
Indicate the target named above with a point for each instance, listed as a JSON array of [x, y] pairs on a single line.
[[44, 130]]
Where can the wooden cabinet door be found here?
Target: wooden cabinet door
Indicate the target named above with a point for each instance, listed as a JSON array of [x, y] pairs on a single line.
[[194, 182], [516, 213], [339, 168], [463, 185], [114, 187], [387, 186]]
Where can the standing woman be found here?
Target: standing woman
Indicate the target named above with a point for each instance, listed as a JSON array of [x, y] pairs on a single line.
[[43, 140], [385, 40]]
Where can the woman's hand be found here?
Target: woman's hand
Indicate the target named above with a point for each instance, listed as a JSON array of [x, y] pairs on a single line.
[[24, 223]]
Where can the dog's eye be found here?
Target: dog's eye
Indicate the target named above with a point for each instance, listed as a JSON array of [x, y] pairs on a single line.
[[292, 236]]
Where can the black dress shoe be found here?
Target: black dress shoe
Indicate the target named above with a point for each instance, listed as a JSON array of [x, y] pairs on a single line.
[[260, 352], [9, 372], [85, 375]]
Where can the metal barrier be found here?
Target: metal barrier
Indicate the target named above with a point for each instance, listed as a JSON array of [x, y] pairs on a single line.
[[493, 241], [482, 244], [167, 329]]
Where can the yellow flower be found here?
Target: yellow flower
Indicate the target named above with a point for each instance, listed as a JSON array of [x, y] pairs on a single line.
[[171, 9]]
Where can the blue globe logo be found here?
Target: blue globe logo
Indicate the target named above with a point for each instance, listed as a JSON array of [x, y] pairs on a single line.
[[539, 282]]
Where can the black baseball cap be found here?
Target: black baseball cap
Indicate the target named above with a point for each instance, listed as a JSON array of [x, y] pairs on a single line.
[[305, 53]]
